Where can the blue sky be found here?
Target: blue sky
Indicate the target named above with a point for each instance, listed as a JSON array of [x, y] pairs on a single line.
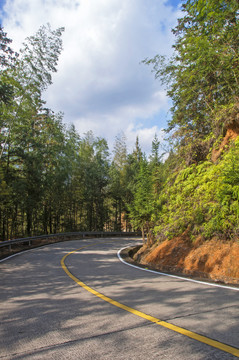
[[101, 84]]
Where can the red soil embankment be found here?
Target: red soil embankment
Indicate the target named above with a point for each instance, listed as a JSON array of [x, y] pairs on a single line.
[[215, 259]]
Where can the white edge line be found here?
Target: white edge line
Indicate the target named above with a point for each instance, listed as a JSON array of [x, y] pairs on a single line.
[[24, 251], [13, 255], [37, 247], [144, 269], [174, 276]]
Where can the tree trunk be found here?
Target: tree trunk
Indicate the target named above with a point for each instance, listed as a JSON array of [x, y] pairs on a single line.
[[29, 222]]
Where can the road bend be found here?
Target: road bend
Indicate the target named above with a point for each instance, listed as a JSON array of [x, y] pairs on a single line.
[[77, 300]]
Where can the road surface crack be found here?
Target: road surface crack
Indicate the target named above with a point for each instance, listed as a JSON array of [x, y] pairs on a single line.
[[199, 313]]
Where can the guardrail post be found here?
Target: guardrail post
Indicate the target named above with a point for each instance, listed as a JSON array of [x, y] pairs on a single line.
[[65, 236]]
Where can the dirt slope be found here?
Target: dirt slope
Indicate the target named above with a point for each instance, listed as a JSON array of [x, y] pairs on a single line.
[[215, 259]]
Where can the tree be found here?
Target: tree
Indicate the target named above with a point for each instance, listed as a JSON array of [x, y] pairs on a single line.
[[120, 151], [202, 76], [93, 175], [7, 55], [38, 58], [155, 157], [31, 74], [156, 168], [22, 123], [141, 208], [117, 186], [7, 59]]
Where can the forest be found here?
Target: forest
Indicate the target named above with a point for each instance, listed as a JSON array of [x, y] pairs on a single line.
[[54, 180]]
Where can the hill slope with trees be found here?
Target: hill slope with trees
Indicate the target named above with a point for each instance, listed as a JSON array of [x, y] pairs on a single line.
[[199, 200]]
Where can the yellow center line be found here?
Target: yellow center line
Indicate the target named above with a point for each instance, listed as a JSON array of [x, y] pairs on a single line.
[[203, 339]]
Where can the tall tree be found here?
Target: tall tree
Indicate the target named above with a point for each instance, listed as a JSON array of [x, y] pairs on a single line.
[[202, 77], [93, 176], [22, 119], [7, 55], [117, 177], [141, 208], [31, 74], [7, 59]]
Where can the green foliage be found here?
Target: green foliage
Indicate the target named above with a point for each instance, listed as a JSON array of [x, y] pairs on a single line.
[[118, 182], [93, 174], [203, 198], [203, 75], [202, 81], [141, 208], [39, 58], [6, 93], [7, 55]]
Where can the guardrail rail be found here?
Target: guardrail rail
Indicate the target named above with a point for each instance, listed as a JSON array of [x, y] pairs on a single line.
[[12, 246]]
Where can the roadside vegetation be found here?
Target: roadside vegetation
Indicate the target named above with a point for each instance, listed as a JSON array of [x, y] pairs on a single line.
[[201, 193], [54, 180]]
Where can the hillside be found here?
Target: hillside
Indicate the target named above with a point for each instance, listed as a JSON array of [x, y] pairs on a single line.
[[197, 234]]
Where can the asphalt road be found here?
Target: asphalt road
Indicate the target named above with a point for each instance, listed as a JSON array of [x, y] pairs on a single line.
[[45, 314]]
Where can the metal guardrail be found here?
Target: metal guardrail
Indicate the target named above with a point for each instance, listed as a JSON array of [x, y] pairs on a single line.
[[65, 236]]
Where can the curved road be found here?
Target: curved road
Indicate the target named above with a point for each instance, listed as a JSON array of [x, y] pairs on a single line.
[[46, 314]]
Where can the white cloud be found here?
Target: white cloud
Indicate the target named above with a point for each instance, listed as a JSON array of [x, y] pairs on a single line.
[[100, 84], [145, 135]]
